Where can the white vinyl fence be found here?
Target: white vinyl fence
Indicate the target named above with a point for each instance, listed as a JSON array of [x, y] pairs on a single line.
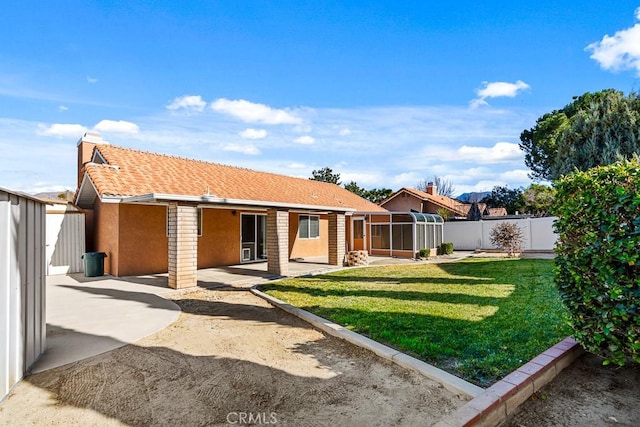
[[65, 239], [472, 235], [22, 286]]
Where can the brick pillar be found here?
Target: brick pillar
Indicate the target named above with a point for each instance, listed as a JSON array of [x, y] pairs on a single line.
[[278, 242], [337, 238], [183, 245]]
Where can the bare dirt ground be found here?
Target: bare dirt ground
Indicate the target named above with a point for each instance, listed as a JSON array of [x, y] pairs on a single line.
[[230, 359], [585, 394]]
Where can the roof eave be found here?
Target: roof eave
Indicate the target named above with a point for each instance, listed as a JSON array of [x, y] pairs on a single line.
[[213, 200], [87, 193]]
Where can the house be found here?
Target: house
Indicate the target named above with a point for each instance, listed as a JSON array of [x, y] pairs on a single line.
[[410, 199], [153, 213]]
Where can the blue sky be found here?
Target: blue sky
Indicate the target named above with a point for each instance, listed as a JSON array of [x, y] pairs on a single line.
[[386, 93]]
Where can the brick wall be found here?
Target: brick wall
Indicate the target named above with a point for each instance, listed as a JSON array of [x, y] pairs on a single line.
[[183, 245], [337, 238], [278, 242]]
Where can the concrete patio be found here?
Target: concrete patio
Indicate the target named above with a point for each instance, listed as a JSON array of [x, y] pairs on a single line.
[[87, 316]]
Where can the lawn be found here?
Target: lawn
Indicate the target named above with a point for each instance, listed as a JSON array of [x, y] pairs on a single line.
[[476, 318]]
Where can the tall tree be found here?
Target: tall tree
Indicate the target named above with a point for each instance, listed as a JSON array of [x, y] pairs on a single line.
[[325, 175], [355, 188], [375, 195], [594, 129], [443, 186], [505, 197], [539, 199]]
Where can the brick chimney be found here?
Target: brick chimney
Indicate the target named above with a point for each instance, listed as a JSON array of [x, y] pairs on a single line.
[[86, 144], [432, 189]]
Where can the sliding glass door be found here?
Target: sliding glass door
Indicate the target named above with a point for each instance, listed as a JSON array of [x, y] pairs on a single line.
[[253, 237]]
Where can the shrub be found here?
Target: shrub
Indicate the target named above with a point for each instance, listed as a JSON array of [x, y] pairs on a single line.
[[446, 248], [508, 237], [598, 249], [424, 253]]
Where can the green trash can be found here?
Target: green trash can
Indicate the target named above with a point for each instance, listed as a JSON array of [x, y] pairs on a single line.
[[94, 264]]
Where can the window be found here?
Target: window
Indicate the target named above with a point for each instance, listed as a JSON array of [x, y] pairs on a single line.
[[380, 236], [309, 227], [358, 229], [402, 237]]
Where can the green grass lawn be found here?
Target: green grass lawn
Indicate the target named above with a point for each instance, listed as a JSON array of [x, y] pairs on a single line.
[[476, 318]]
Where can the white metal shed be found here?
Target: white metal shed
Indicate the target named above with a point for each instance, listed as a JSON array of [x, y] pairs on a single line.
[[22, 286]]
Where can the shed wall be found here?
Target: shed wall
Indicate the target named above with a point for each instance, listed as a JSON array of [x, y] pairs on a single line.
[[22, 287]]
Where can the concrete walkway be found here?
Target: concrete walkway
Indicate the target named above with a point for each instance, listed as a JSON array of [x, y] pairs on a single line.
[[89, 316]]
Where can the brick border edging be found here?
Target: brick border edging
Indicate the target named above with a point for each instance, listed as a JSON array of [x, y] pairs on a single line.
[[496, 403], [452, 383]]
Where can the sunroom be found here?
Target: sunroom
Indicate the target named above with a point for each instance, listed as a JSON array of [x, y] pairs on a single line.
[[396, 234]]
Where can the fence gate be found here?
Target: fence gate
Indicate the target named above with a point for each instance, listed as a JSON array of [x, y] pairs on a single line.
[[65, 239]]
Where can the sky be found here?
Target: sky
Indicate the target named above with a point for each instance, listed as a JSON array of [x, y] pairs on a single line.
[[386, 93]]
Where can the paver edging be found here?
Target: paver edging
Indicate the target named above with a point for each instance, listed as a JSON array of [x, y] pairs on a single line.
[[450, 382], [496, 403]]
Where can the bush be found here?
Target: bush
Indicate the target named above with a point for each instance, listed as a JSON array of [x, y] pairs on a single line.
[[424, 253], [598, 249], [446, 248], [508, 237]]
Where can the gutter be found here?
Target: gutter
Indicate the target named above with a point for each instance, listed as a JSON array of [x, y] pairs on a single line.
[[212, 199]]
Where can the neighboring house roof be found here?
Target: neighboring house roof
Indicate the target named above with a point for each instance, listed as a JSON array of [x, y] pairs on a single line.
[[132, 175], [497, 211], [454, 206]]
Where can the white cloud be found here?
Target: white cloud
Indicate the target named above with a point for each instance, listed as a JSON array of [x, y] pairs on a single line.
[[62, 108], [187, 102], [620, 51], [253, 133], [61, 130], [500, 152], [251, 112], [304, 140], [388, 147], [498, 90], [92, 80], [344, 132], [119, 126], [296, 165], [242, 148]]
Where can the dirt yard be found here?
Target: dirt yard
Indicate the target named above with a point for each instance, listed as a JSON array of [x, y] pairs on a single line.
[[585, 394], [230, 359]]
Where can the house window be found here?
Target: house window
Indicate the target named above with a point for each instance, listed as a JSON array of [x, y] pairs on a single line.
[[380, 236], [402, 239], [199, 221], [309, 227]]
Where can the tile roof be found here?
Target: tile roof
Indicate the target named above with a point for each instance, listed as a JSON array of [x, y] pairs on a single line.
[[140, 173], [457, 207]]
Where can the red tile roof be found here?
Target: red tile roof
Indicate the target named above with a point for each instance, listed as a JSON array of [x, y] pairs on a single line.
[[140, 173], [458, 208]]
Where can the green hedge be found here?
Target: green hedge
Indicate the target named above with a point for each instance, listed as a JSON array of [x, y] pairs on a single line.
[[424, 253], [446, 248], [597, 270]]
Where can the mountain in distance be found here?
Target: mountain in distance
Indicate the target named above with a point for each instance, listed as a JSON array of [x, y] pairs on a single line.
[[475, 196], [63, 196]]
